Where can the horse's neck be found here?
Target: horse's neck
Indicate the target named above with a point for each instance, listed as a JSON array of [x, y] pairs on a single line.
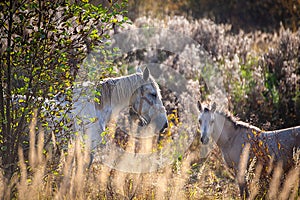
[[229, 139], [224, 130], [124, 89], [218, 136]]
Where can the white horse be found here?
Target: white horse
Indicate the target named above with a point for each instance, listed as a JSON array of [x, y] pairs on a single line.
[[231, 136], [138, 91], [95, 105]]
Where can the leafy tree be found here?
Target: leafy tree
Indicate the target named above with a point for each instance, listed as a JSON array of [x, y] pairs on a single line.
[[42, 44]]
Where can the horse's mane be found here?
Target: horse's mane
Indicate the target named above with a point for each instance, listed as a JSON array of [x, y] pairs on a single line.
[[120, 88], [236, 121]]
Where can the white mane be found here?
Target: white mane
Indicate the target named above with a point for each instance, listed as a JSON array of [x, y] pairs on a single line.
[[114, 90]]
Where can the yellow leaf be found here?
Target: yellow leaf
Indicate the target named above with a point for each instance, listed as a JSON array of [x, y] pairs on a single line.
[[279, 146], [171, 125], [114, 21], [93, 119], [68, 84], [97, 100]]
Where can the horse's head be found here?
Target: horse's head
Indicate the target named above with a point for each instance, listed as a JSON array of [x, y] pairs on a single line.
[[206, 121], [146, 103]]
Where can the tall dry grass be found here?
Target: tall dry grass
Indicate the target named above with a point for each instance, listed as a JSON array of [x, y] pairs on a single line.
[[38, 178], [187, 178], [268, 180]]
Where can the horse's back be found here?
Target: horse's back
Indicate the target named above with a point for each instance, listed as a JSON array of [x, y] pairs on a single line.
[[282, 144], [292, 134]]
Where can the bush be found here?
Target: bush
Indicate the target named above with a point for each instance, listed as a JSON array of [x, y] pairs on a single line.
[[246, 15], [42, 45]]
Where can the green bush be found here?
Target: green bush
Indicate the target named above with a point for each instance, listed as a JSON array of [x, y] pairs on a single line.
[[42, 45]]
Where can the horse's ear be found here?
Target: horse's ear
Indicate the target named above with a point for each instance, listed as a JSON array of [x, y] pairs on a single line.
[[139, 70], [199, 105], [146, 74], [213, 107]]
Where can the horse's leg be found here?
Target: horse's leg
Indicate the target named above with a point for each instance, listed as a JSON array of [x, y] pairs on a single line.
[[244, 190], [94, 141], [241, 172]]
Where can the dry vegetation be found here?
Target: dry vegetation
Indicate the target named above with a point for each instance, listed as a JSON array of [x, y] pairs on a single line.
[[262, 80], [247, 15], [189, 178]]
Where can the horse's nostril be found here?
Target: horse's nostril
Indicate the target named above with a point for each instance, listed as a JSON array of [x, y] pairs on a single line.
[[204, 140], [166, 125], [141, 123]]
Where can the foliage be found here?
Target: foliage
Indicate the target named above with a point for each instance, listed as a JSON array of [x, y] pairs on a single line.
[[42, 45], [247, 15], [159, 9]]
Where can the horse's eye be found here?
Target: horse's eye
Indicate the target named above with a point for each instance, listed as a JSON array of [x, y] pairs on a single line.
[[154, 95]]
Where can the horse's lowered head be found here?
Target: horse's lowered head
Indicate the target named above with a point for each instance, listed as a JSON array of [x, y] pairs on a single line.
[[146, 103], [206, 121]]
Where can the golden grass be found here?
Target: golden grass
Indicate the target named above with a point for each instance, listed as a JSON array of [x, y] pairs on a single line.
[[187, 178]]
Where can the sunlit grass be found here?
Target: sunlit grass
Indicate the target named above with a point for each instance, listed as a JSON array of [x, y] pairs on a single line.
[[189, 178]]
